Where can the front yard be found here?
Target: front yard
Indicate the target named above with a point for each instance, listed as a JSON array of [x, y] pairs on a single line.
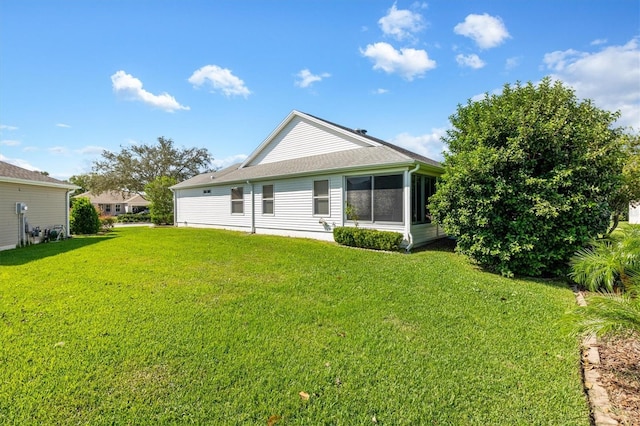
[[165, 325]]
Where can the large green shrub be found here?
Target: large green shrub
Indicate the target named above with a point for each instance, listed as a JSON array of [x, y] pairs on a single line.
[[84, 217], [367, 238], [528, 178]]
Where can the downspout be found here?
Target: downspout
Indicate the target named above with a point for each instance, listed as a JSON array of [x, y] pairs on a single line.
[[408, 210], [66, 226], [253, 208], [175, 207]]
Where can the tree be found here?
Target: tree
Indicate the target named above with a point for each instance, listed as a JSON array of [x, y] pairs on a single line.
[[83, 181], [84, 217], [528, 177], [161, 198], [134, 167], [629, 190]]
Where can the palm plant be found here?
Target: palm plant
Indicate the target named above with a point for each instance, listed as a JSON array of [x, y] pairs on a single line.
[[611, 264]]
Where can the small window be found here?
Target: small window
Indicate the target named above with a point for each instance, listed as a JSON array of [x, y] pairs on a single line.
[[117, 208], [267, 199], [206, 191], [237, 200], [108, 208], [321, 197]]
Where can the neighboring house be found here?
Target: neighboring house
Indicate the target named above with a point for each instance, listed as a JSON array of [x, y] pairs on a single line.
[[115, 203], [634, 214], [301, 179], [30, 200]]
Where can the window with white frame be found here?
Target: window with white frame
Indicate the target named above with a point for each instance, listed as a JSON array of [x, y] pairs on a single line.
[[206, 191], [376, 198], [267, 199], [321, 197], [237, 200], [118, 208]]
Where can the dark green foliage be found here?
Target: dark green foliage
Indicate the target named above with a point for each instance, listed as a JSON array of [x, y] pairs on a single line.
[[367, 238], [528, 178], [84, 217], [134, 218], [161, 197]]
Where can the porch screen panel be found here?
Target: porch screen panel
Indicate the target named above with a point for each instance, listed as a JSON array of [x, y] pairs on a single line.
[[387, 198], [359, 196]]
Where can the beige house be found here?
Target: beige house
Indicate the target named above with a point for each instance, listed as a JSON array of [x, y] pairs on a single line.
[[30, 200], [115, 203], [634, 214]]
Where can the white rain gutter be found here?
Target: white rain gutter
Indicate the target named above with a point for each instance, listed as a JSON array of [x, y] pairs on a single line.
[[66, 216], [407, 218], [253, 208]]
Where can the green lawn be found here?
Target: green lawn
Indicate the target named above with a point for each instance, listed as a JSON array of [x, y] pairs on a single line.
[[165, 326]]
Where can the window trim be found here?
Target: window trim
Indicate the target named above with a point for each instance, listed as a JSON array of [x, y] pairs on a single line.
[[269, 199], [316, 198], [237, 201]]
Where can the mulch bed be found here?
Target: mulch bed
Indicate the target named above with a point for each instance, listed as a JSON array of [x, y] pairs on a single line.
[[620, 376]]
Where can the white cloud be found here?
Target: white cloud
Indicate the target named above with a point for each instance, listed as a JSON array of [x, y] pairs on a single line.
[[401, 24], [226, 162], [57, 150], [306, 79], [9, 142], [380, 91], [407, 62], [6, 127], [64, 126], [18, 162], [430, 145], [513, 62], [90, 150], [471, 61], [599, 41], [486, 30], [610, 77], [129, 86], [221, 79]]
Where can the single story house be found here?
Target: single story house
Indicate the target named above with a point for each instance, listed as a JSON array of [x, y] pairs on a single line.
[[634, 214], [115, 203], [30, 200], [306, 176]]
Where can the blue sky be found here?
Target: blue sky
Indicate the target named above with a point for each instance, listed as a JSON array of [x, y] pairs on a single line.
[[79, 77]]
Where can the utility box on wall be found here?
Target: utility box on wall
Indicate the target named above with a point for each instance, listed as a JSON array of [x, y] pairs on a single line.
[[21, 208]]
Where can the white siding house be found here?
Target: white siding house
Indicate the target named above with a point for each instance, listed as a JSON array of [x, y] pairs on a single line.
[[28, 200], [300, 180], [634, 214]]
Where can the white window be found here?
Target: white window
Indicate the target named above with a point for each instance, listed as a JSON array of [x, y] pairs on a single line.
[[117, 208], [267, 199], [237, 200], [321, 197], [206, 191]]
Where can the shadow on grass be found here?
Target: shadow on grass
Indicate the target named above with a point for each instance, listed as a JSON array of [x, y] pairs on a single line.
[[448, 245], [23, 255]]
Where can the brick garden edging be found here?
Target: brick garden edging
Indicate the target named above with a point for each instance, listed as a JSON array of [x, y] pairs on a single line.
[[597, 394]]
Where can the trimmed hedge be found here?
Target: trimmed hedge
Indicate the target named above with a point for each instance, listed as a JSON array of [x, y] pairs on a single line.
[[134, 218], [367, 238]]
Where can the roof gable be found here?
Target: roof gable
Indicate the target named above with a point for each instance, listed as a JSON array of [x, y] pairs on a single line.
[[301, 135]]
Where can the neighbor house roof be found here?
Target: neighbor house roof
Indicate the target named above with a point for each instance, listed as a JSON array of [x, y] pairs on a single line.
[[379, 154], [115, 197], [15, 174]]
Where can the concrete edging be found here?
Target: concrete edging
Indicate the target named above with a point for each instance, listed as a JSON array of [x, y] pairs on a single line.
[[597, 394]]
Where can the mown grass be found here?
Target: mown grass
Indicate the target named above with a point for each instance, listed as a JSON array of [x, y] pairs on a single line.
[[165, 326]]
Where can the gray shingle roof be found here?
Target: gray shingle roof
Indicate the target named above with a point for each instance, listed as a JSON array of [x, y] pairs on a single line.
[[9, 172], [384, 154]]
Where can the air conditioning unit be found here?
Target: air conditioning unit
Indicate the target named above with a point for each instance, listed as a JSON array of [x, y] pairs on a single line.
[[21, 208]]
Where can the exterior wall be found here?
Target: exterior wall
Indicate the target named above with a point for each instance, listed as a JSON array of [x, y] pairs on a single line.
[[195, 208], [46, 207], [301, 138], [634, 214]]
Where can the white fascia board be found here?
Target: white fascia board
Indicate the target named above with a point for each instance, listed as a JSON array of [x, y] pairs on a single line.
[[38, 183]]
